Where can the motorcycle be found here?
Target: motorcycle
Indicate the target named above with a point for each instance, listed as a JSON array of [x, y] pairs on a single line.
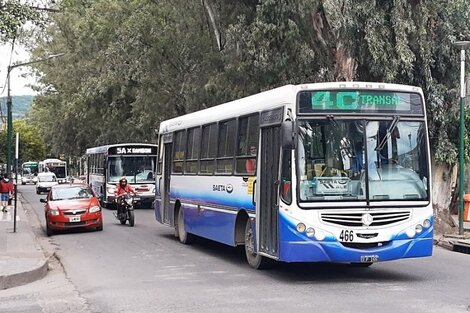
[[125, 208]]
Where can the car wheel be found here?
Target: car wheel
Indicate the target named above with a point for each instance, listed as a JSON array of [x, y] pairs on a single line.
[[183, 235], [255, 260], [49, 232]]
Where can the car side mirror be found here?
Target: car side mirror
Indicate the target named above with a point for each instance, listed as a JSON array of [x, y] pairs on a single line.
[[42, 200]]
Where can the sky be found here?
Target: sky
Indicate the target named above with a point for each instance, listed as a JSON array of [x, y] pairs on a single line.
[[18, 83]]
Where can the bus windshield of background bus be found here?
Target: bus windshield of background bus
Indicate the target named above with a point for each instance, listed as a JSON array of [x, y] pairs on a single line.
[[59, 171], [335, 155], [136, 169]]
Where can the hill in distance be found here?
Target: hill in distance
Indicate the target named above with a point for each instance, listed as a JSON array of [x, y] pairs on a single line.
[[20, 105]]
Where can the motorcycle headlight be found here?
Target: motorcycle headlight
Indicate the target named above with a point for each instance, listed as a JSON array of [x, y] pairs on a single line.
[[129, 201], [95, 209]]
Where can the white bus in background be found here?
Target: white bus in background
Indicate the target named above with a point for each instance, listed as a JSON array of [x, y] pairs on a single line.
[[56, 166], [105, 165]]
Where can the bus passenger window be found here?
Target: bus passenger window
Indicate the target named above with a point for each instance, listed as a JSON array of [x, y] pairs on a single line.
[[247, 145]]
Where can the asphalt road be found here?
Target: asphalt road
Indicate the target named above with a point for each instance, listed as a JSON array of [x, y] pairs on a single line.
[[146, 269]]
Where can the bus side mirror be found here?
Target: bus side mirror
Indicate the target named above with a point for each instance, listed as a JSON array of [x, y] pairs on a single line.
[[288, 135]]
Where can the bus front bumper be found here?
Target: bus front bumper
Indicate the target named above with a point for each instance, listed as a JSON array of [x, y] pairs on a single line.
[[327, 251]]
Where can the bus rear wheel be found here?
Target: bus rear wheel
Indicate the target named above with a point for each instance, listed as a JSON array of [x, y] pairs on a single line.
[[255, 260], [185, 237]]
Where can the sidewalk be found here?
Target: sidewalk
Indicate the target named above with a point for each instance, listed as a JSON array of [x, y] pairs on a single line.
[[21, 258], [455, 242]]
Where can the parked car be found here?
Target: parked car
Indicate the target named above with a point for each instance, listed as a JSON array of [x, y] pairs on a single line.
[[72, 206], [45, 182]]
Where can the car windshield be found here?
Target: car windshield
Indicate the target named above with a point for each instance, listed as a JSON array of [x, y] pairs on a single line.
[[362, 160], [136, 169], [75, 192]]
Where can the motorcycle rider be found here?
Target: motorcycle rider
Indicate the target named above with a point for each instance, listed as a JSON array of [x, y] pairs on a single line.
[[122, 188]]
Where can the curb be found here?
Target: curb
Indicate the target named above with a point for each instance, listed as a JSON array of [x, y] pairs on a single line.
[[453, 243], [23, 278]]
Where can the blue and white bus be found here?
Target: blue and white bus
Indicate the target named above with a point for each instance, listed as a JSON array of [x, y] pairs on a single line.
[[328, 172], [105, 165]]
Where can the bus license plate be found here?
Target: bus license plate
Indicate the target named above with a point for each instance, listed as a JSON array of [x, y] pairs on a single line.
[[369, 258], [74, 219]]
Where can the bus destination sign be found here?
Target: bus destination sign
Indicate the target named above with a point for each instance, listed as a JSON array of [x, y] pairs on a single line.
[[132, 150], [360, 101]]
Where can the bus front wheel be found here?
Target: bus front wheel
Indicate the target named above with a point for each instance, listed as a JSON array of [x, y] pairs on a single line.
[[185, 237], [255, 260]]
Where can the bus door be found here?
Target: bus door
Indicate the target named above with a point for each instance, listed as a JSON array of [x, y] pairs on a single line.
[[267, 188], [167, 217]]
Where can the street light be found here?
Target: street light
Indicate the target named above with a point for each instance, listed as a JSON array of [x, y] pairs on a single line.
[[462, 45], [9, 103]]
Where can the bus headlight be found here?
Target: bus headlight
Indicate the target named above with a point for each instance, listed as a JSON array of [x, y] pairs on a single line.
[[111, 190], [418, 229], [310, 232], [426, 223], [300, 227]]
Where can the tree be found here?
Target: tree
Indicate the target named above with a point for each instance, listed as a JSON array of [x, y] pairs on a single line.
[[131, 64], [31, 143]]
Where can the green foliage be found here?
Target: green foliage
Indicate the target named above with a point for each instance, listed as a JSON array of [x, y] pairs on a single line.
[[131, 64], [31, 143], [13, 15]]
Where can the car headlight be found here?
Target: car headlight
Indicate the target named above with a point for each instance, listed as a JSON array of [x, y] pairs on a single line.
[[95, 209], [53, 212]]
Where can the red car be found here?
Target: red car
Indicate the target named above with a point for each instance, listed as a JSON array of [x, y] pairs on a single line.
[[72, 206]]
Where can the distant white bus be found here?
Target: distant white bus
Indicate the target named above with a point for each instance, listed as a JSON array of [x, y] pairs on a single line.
[[105, 165], [56, 166], [329, 172]]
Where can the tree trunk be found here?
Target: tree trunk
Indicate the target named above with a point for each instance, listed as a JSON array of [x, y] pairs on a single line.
[[213, 23], [443, 192]]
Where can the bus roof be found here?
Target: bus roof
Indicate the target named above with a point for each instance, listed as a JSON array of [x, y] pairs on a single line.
[[52, 161], [285, 95], [104, 149]]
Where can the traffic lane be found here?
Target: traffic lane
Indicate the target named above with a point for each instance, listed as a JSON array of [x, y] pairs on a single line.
[[143, 268]]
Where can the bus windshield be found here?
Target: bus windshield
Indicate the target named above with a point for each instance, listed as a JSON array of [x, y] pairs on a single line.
[[136, 169], [59, 171], [361, 160]]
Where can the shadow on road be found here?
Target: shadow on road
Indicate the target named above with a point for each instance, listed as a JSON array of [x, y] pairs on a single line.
[[390, 272]]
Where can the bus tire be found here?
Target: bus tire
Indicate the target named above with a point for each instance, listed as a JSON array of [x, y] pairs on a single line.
[[255, 260], [185, 237]]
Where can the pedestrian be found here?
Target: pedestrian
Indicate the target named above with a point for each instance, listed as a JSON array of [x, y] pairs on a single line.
[[6, 191]]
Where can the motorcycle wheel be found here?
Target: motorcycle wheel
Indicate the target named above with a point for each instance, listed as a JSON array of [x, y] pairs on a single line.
[[131, 218]]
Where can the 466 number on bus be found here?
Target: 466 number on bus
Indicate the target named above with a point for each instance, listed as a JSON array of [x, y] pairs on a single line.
[[346, 235]]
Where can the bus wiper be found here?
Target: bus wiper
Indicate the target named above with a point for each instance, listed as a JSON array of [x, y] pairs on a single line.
[[390, 129]]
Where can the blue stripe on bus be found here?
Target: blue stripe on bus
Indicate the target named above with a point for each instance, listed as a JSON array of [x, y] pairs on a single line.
[[216, 199]]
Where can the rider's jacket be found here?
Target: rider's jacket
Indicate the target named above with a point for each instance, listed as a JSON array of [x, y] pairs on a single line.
[[123, 190]]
